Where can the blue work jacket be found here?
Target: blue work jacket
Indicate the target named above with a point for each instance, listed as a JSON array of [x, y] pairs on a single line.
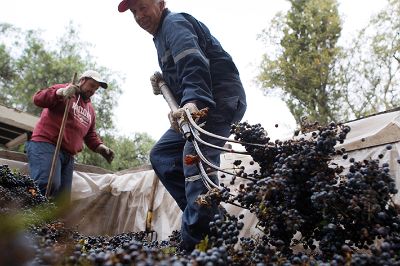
[[193, 62]]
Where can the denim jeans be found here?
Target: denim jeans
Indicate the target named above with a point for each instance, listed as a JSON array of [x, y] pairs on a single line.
[[40, 157], [183, 181]]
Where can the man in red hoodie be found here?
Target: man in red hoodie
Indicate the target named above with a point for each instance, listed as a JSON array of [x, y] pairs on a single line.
[[79, 128]]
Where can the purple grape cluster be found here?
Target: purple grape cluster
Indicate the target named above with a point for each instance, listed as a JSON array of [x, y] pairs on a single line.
[[17, 191], [299, 190]]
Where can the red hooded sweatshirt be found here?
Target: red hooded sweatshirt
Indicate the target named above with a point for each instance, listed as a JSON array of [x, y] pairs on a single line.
[[80, 124]]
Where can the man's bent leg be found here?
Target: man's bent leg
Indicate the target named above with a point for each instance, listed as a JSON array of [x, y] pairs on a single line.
[[166, 160], [197, 216]]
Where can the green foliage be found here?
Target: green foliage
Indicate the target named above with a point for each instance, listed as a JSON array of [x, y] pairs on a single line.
[[19, 220], [129, 152], [28, 64], [35, 65], [169, 250], [317, 78], [204, 244], [301, 68]]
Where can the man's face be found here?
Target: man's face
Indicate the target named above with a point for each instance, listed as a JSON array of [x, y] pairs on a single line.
[[88, 87], [147, 14]]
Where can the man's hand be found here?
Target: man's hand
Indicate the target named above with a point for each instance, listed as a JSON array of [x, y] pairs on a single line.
[[173, 122], [181, 111], [154, 82], [68, 91], [175, 117], [106, 152]]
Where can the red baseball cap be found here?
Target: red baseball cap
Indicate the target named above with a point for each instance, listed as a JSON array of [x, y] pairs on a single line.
[[123, 6]]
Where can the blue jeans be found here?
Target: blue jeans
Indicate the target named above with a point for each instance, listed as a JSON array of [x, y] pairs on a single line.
[[182, 181], [40, 157]]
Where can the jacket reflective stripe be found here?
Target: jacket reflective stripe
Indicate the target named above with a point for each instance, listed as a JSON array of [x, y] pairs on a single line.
[[197, 177], [183, 54], [188, 52]]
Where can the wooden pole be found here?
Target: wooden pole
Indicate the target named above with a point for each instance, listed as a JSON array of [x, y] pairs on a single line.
[[59, 140], [149, 216]]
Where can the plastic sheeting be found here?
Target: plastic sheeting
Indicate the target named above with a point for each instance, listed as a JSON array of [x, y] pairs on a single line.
[[373, 131], [111, 204]]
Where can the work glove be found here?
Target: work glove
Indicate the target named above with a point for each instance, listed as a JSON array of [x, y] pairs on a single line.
[[154, 82], [181, 111], [68, 91], [174, 122], [106, 152], [178, 114]]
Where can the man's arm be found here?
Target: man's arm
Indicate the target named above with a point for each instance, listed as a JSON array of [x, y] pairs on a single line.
[[192, 65], [48, 98]]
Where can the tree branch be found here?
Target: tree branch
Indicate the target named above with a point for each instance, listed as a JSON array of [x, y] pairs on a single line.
[[397, 58]]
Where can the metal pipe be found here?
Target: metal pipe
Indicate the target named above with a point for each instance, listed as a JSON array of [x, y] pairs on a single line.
[[197, 127]]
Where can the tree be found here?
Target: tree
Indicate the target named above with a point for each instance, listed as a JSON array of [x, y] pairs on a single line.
[[28, 64], [7, 65], [323, 81], [368, 75], [306, 41]]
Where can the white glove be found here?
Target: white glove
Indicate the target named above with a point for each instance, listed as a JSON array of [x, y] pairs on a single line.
[[68, 91], [106, 152], [154, 82]]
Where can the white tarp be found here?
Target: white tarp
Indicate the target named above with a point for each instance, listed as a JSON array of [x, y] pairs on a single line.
[[111, 204], [373, 131]]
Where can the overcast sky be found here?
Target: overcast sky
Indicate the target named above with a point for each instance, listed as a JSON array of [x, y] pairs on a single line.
[[119, 44]]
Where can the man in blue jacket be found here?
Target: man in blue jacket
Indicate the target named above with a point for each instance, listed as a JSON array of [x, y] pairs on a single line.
[[199, 74]]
